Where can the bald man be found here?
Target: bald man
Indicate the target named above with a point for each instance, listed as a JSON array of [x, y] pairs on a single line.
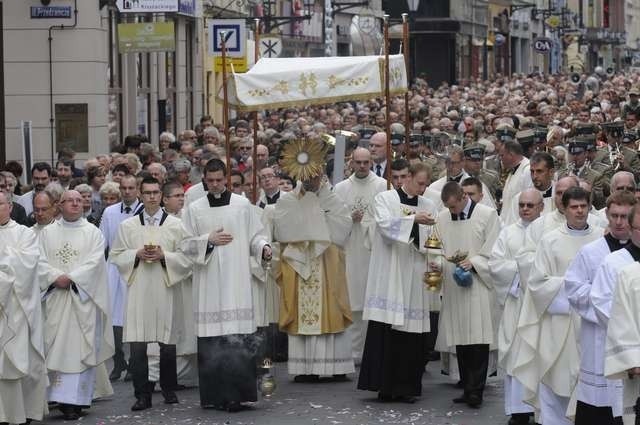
[[378, 149], [358, 192], [73, 279], [506, 274]]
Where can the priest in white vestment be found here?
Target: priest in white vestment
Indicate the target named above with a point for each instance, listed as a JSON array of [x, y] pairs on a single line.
[[547, 362], [221, 232], [506, 275], [622, 349], [357, 192], [599, 400], [518, 180], [146, 253], [112, 216], [73, 281], [396, 300], [468, 232], [23, 378], [312, 224], [45, 210]]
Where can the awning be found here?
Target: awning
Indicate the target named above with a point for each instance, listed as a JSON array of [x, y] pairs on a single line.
[[287, 82]]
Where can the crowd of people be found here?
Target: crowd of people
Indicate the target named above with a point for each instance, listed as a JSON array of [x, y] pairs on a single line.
[[501, 234]]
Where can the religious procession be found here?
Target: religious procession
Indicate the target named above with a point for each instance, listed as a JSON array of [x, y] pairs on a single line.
[[467, 252]]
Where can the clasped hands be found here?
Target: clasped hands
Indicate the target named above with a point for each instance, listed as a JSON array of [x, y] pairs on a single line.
[[150, 255], [220, 238]]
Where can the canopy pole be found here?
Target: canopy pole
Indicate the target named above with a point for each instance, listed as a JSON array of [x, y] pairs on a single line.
[[387, 96], [254, 173], [225, 108], [405, 52]]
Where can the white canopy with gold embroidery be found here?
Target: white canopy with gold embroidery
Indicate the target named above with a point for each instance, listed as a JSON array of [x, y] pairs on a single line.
[[284, 82]]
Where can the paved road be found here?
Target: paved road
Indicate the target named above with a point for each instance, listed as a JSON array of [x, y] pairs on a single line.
[[313, 404]]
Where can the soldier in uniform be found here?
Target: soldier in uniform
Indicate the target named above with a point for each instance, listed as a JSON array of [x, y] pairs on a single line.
[[633, 105], [526, 138], [615, 156], [504, 133], [579, 167], [473, 158], [436, 163]]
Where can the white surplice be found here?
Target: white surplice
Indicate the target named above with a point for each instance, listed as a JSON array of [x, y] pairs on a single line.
[[395, 292], [152, 314], [593, 388], [357, 194], [23, 378], [194, 193], [223, 301], [467, 314], [76, 317], [516, 182], [547, 326], [112, 216], [622, 349], [506, 275]]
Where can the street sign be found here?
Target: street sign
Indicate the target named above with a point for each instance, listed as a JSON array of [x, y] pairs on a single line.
[[553, 21], [50, 12], [499, 40], [270, 46], [146, 37], [233, 64], [142, 6], [235, 37], [542, 44]]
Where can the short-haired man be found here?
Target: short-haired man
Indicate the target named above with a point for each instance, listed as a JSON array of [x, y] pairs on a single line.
[[598, 399], [64, 168], [519, 178], [358, 192], [76, 306], [506, 273], [547, 371], [270, 185], [18, 213], [619, 314], [23, 379], [40, 178], [395, 302], [399, 172], [45, 210], [472, 187], [378, 149], [111, 219], [211, 223], [146, 252], [466, 321]]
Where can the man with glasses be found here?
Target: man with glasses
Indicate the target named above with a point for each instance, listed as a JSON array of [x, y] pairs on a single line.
[[506, 274], [45, 210], [270, 184], [73, 281], [599, 399], [146, 253]]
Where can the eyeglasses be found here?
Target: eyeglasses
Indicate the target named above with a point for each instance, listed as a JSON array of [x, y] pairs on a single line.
[[527, 204], [267, 177]]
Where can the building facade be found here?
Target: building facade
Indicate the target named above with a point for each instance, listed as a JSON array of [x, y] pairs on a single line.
[[66, 84]]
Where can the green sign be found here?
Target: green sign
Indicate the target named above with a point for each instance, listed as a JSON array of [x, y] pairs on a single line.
[[146, 37]]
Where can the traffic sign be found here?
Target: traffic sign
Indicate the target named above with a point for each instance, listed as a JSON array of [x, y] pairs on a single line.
[[270, 46], [542, 44], [235, 37]]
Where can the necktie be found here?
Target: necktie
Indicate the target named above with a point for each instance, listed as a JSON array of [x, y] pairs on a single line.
[[379, 170], [127, 210]]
